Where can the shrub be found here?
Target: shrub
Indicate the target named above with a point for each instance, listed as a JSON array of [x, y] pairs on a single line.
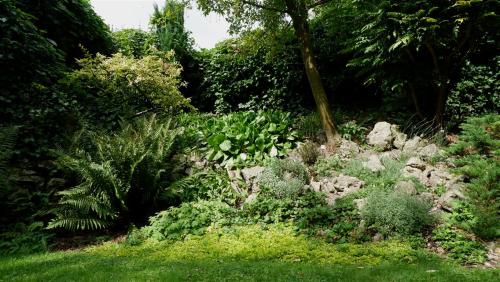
[[459, 246], [111, 88], [477, 93], [309, 126], [247, 137], [324, 167], [122, 175], [352, 131], [392, 213], [189, 218], [478, 152], [309, 152], [283, 179], [23, 240], [132, 42], [209, 185]]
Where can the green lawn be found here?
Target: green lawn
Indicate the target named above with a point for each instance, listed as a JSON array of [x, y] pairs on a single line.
[[248, 254]]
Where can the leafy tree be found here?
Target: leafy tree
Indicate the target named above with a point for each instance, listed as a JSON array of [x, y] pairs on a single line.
[[272, 15], [420, 46], [72, 25], [132, 42]]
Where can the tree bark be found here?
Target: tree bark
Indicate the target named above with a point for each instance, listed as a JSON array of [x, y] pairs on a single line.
[[298, 12]]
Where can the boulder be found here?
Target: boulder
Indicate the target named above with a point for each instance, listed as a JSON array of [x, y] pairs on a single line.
[[393, 154], [417, 163], [399, 137], [360, 203], [381, 135], [348, 149], [251, 173], [413, 145], [345, 184], [428, 151], [436, 177], [427, 196], [414, 168], [374, 164], [406, 187]]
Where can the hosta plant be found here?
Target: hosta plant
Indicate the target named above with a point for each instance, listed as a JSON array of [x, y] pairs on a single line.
[[247, 137]]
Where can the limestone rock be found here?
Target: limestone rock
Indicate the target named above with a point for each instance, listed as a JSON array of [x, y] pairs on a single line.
[[413, 145], [347, 184], [393, 154], [348, 149], [360, 203], [374, 164], [399, 137], [414, 168], [428, 151], [381, 135], [251, 173], [406, 187]]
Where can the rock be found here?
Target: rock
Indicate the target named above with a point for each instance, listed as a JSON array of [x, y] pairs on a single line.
[[427, 196], [250, 198], [251, 173], [374, 164], [337, 187], [414, 168], [435, 177], [406, 187], [346, 184], [393, 154], [360, 203], [413, 145], [381, 135], [378, 237], [399, 137], [446, 200], [348, 149], [428, 151], [416, 163]]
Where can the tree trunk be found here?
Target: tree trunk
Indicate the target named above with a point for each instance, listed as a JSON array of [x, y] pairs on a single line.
[[300, 24], [442, 96]]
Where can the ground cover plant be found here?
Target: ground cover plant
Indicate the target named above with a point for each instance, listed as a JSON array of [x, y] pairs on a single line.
[[325, 141]]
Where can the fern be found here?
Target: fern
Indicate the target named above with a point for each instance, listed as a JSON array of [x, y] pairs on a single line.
[[122, 176]]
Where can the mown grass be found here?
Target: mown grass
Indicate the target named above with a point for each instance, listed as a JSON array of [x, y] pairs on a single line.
[[241, 254]]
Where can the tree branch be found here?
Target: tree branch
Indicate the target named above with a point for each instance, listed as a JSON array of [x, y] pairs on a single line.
[[264, 7]]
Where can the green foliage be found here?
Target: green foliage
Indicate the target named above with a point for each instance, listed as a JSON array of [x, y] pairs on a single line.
[[22, 239], [478, 152], [309, 126], [283, 179], [191, 218], [111, 88], [477, 93], [72, 25], [416, 47], [352, 131], [480, 135], [122, 176], [267, 208], [393, 213], [324, 167], [309, 152], [212, 185], [133, 42], [459, 246], [247, 137], [7, 141], [239, 76]]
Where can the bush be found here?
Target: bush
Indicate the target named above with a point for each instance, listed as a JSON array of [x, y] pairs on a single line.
[[459, 246], [393, 213], [239, 74], [283, 179], [477, 93], [209, 185], [23, 240], [352, 131], [324, 167], [309, 153], [246, 137], [133, 42], [109, 89], [478, 152], [190, 218], [122, 176]]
